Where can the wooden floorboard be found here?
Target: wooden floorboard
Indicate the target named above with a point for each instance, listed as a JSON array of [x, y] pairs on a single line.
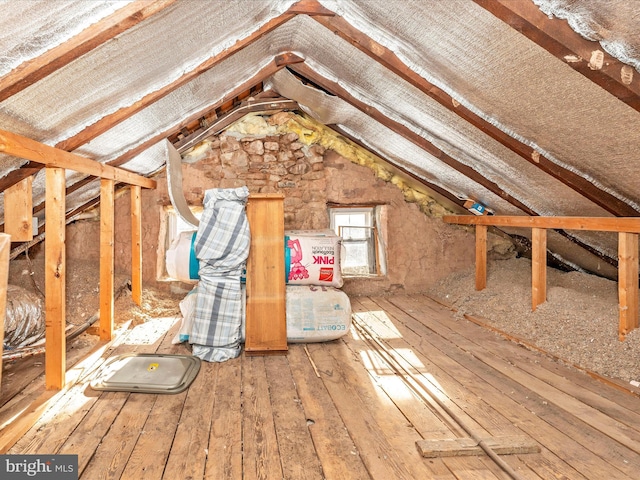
[[352, 408]]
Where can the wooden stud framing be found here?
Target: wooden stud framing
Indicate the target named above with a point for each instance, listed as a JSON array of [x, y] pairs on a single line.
[[136, 244], [107, 220], [628, 282], [18, 211], [538, 267], [5, 247], [481, 257], [55, 278]]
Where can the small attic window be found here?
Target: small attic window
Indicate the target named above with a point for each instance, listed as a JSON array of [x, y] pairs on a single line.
[[362, 254]]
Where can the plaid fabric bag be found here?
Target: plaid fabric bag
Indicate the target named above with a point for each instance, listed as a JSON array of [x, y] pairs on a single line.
[[222, 247]]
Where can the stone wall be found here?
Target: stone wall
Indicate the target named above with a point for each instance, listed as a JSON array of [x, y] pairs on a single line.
[[419, 249]]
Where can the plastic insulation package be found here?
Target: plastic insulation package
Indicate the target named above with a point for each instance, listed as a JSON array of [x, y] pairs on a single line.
[[24, 321], [312, 257], [314, 313]]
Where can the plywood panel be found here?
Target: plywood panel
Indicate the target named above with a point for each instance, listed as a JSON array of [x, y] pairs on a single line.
[[266, 328]]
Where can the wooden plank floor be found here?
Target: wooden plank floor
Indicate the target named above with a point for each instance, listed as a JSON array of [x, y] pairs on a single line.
[[353, 408]]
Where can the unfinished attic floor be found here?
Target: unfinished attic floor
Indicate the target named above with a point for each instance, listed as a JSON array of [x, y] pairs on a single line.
[[352, 408]]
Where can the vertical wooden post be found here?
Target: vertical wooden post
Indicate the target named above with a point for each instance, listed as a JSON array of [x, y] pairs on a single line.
[[55, 279], [136, 244], [481, 257], [538, 267], [106, 258], [5, 246], [18, 210], [266, 327], [627, 282]]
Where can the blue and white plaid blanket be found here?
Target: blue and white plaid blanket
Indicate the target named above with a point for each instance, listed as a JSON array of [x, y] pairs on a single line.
[[222, 247]]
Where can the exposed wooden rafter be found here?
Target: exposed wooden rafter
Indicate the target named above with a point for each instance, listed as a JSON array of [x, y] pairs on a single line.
[[409, 134], [557, 37], [33, 70], [109, 121], [335, 89], [387, 58]]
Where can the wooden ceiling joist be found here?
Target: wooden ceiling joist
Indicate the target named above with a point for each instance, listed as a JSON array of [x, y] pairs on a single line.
[[33, 70], [386, 57], [23, 147], [557, 37]]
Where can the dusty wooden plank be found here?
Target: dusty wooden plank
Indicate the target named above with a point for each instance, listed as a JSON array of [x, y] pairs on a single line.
[[385, 441], [596, 224], [443, 360], [188, 454], [628, 282], [148, 458], [225, 440], [158, 433], [97, 424], [55, 279], [453, 447], [387, 342], [136, 244], [335, 448], [81, 362], [297, 453], [114, 450], [18, 210], [107, 256], [568, 438], [481, 257], [261, 459], [619, 405], [23, 147], [266, 328], [538, 267]]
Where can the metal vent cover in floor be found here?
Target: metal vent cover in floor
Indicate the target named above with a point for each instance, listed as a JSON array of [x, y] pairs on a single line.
[[147, 373]]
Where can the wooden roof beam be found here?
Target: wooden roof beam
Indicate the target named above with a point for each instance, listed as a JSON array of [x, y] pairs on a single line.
[[556, 36], [36, 69], [23, 147], [335, 89], [594, 224], [109, 121], [386, 57]]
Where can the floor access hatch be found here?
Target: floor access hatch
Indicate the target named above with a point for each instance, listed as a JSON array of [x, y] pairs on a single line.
[[147, 373]]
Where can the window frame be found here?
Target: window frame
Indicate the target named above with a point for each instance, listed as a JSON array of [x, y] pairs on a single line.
[[375, 250]]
